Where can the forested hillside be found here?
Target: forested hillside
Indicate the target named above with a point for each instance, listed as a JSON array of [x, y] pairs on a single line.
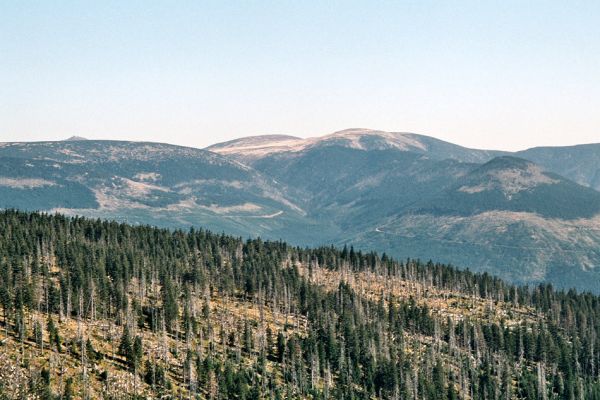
[[408, 195], [95, 309]]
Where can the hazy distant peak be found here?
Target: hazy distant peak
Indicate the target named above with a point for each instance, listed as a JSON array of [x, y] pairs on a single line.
[[255, 141], [354, 132], [75, 139], [370, 139], [255, 147], [364, 132]]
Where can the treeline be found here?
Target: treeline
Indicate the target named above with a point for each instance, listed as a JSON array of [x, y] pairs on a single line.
[[334, 343]]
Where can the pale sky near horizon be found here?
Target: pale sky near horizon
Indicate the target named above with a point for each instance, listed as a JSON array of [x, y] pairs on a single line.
[[485, 74]]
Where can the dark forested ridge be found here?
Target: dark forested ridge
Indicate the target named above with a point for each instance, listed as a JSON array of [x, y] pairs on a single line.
[[97, 309]]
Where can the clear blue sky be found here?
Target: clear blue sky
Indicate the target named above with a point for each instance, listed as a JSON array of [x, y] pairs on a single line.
[[505, 74]]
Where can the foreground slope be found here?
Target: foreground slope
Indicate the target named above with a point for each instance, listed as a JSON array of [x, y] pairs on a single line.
[[97, 309]]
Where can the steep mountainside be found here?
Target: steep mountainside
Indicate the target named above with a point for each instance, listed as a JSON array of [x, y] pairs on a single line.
[[94, 309]]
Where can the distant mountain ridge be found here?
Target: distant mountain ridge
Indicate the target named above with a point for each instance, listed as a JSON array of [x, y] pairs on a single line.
[[528, 217], [141, 182], [580, 163], [255, 147]]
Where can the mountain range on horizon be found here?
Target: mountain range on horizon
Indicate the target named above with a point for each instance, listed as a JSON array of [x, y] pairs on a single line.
[[529, 216]]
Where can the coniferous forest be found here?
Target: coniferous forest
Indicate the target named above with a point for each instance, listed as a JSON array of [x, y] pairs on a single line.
[[97, 309]]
